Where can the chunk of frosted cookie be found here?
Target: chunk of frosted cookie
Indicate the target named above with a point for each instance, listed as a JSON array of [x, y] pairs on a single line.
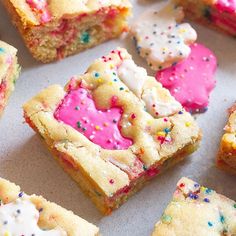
[[22, 214], [226, 159], [113, 128], [191, 80], [161, 38], [197, 210]]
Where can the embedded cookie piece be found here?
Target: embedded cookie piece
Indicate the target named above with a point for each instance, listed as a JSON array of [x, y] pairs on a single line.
[[113, 128], [218, 14], [161, 38], [9, 72], [196, 210], [21, 214], [227, 154], [55, 29], [191, 80]]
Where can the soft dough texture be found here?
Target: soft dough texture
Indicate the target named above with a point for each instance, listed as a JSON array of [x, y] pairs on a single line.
[[161, 38], [191, 80], [148, 131], [196, 210], [21, 214]]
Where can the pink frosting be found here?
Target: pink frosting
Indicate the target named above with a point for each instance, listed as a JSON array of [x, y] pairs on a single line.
[[99, 126], [226, 5], [191, 80], [40, 7]]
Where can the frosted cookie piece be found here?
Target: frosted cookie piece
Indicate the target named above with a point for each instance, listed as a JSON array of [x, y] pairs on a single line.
[[113, 128], [196, 210], [55, 29], [21, 214], [191, 80], [218, 14], [9, 72], [161, 38], [227, 154]]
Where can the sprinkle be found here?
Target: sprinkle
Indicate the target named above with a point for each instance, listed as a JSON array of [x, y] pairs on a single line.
[[96, 74], [121, 88], [180, 112], [133, 116], [222, 219], [40, 209], [85, 37], [161, 133], [97, 127], [20, 194], [210, 224], [182, 185], [193, 196], [166, 130], [208, 191], [187, 124], [100, 80], [77, 108], [114, 121], [144, 168], [235, 205], [206, 200], [78, 124], [196, 185], [166, 219], [2, 50], [111, 181]]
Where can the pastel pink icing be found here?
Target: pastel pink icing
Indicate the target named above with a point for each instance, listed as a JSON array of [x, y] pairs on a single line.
[[226, 5], [101, 127], [40, 7], [191, 80]]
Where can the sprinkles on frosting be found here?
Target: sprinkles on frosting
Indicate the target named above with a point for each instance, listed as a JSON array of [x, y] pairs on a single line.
[[161, 38]]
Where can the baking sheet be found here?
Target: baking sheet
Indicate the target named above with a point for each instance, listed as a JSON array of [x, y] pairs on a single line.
[[25, 160]]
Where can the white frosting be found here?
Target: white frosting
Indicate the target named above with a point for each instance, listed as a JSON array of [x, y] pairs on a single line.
[[158, 100], [133, 76], [20, 218], [159, 37], [160, 103]]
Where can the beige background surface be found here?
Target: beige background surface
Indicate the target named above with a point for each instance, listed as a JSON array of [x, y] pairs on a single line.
[[25, 161]]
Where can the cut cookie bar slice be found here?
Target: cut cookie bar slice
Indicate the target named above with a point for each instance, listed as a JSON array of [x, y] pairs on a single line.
[[9, 72], [55, 29], [21, 214], [161, 38], [196, 210], [113, 128], [191, 80], [227, 154], [219, 14]]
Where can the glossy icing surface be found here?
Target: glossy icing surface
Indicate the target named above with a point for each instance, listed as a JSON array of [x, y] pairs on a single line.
[[191, 80], [101, 127], [226, 5], [20, 218]]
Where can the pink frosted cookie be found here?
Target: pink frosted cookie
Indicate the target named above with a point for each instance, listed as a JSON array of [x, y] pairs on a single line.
[[191, 80], [220, 14], [113, 128]]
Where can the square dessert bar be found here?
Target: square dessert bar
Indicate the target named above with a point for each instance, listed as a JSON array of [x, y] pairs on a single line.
[[9, 72], [227, 154], [22, 214], [58, 28], [113, 128], [196, 210], [219, 14]]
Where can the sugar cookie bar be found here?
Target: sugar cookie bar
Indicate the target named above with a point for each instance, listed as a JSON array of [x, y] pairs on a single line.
[[161, 37], [227, 154], [22, 214], [113, 128], [9, 72], [58, 28], [196, 210], [219, 14]]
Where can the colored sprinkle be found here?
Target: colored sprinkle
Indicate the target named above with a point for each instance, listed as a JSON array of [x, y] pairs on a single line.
[[206, 200], [121, 88], [180, 112], [166, 219], [85, 37], [144, 168], [40, 209], [96, 74], [182, 185], [210, 224], [167, 130], [79, 124], [235, 205], [2, 50], [187, 124], [20, 194], [77, 108], [133, 116], [222, 219], [111, 181], [208, 190]]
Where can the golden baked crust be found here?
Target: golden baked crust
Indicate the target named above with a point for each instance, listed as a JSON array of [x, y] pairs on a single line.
[[159, 139], [55, 29], [227, 154], [197, 210], [51, 215], [9, 72]]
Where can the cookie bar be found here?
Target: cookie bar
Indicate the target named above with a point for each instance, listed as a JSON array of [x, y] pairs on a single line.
[[191, 80], [55, 29], [219, 14], [161, 37], [196, 210], [22, 214], [9, 72], [227, 154], [113, 128]]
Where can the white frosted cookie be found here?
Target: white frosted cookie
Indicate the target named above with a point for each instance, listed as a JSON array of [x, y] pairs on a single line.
[[161, 38]]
